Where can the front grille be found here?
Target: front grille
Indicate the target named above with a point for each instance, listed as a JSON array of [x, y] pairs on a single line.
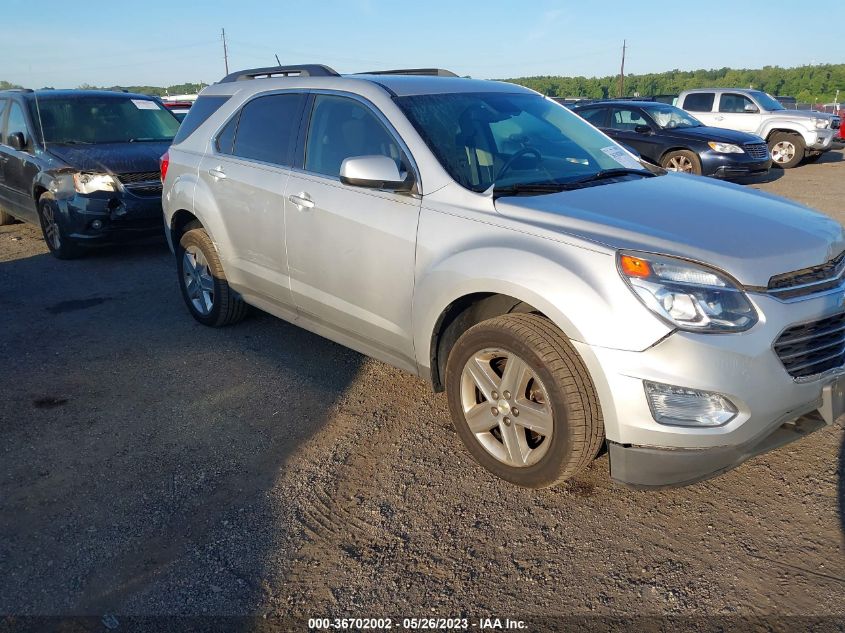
[[142, 183], [808, 281], [813, 348], [757, 150]]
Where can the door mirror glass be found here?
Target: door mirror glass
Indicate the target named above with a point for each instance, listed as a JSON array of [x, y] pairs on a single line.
[[750, 107], [16, 140], [642, 129], [373, 172]]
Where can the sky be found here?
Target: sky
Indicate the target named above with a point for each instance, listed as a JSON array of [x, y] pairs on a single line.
[[65, 44]]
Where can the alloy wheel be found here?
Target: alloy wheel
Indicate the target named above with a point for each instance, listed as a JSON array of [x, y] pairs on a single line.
[[198, 280], [783, 152], [51, 227], [679, 163], [506, 407]]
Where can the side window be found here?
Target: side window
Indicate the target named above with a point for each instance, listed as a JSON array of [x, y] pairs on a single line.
[[626, 119], [203, 108], [226, 138], [268, 127], [3, 104], [16, 123], [596, 116], [341, 128], [734, 103], [699, 102]]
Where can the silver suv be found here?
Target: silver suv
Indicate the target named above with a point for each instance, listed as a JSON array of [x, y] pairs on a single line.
[[482, 236]]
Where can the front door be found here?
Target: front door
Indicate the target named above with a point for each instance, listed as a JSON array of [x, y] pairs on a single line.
[[245, 170], [630, 126], [737, 112], [19, 167], [351, 250]]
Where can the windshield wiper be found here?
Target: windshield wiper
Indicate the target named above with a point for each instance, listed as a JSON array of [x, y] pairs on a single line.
[[529, 188], [612, 173], [148, 140]]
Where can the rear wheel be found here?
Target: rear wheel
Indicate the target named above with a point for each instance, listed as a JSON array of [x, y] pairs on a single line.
[[787, 149], [522, 401], [204, 288], [683, 161], [53, 228]]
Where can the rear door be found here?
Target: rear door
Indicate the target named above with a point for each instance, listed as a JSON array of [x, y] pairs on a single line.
[[4, 151], [737, 112], [350, 249], [246, 169], [701, 104]]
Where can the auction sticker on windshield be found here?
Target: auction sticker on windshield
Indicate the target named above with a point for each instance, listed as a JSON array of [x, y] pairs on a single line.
[[622, 157], [144, 104]]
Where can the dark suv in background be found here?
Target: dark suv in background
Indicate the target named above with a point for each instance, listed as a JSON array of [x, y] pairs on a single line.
[[82, 164], [676, 140]]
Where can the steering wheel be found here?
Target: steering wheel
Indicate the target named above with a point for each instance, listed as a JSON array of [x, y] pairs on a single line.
[[509, 162]]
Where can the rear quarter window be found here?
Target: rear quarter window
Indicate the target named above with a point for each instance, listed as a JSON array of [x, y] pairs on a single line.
[[699, 102], [203, 108]]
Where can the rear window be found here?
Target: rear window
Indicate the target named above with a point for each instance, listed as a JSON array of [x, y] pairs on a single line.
[[203, 108], [699, 102]]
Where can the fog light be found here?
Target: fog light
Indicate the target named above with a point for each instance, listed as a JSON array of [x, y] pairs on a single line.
[[680, 406], [97, 224]]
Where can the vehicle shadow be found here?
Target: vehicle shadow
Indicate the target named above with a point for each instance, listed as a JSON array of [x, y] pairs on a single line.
[[775, 173], [141, 448], [832, 156]]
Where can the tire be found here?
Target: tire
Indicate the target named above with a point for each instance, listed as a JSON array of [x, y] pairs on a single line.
[[203, 283], [6, 218], [555, 393], [787, 149], [54, 230], [682, 160]]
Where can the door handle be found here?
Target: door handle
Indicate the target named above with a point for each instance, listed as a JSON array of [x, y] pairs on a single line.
[[217, 172], [302, 200], [719, 118]]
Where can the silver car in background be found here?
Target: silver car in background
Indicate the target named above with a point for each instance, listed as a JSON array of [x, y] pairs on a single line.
[[482, 236]]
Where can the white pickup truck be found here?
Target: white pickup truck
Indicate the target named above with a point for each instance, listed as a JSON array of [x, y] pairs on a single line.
[[792, 135]]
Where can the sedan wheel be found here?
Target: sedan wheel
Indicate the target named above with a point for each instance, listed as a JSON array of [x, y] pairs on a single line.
[[679, 163], [506, 407], [682, 161]]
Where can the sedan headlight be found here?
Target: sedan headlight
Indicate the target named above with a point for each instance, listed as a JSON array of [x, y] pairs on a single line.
[[822, 123], [690, 296], [725, 148]]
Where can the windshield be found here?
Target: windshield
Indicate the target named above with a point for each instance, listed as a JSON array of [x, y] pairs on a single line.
[[104, 119], [485, 139], [669, 117], [766, 101]]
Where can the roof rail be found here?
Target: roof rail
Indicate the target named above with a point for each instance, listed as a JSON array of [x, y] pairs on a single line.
[[432, 72], [303, 70]]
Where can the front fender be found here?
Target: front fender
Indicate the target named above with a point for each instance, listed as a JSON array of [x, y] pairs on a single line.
[[579, 289]]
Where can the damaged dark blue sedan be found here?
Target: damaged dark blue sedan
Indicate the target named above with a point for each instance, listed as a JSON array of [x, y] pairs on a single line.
[[83, 165]]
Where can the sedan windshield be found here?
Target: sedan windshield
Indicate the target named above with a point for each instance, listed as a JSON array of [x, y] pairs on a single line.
[[104, 119], [506, 139], [669, 117], [766, 101]]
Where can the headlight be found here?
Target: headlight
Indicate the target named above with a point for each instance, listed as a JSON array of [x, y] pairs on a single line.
[[690, 296], [822, 123], [89, 183], [725, 148]]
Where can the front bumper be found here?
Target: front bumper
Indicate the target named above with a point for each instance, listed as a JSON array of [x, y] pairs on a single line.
[[105, 217], [729, 166], [820, 140], [743, 367]]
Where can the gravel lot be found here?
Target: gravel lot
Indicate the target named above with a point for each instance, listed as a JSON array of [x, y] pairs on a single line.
[[153, 466]]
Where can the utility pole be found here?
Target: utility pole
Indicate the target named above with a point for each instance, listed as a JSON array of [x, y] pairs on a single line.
[[225, 51], [622, 71]]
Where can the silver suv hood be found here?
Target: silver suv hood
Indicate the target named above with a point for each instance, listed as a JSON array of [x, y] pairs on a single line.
[[805, 116], [748, 234]]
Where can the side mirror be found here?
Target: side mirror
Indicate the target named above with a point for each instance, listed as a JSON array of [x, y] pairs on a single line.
[[374, 172], [16, 140], [750, 108], [642, 129]]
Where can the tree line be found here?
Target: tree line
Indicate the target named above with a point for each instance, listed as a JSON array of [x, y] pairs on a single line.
[[808, 84]]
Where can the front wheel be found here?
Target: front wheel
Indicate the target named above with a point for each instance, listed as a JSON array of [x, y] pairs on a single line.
[[522, 401], [204, 288], [53, 228], [787, 149], [683, 161]]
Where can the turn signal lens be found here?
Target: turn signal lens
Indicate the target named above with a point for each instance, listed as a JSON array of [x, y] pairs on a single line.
[[634, 266]]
